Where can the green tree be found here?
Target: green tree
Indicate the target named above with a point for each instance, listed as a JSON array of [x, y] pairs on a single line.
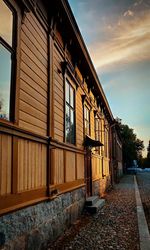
[[132, 146]]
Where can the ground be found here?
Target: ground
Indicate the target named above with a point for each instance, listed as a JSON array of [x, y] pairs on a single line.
[[113, 227]]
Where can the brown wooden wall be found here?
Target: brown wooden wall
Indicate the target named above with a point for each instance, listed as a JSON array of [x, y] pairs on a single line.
[[79, 119], [33, 76], [31, 165], [58, 96], [5, 164]]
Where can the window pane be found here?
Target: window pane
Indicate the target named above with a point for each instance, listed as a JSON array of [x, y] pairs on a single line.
[[71, 97], [67, 92], [5, 80], [67, 124], [72, 128], [6, 23], [87, 131]]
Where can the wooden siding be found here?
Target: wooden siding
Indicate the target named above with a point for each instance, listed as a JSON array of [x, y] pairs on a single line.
[[5, 164], [33, 76], [79, 119], [70, 166], [58, 97], [92, 125], [31, 165], [80, 166], [57, 165], [96, 167], [106, 166], [66, 166]]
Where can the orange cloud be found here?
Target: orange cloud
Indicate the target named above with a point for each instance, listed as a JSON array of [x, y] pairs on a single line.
[[129, 41]]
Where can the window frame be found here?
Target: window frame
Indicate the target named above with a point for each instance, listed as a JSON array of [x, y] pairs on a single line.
[[71, 108], [12, 50]]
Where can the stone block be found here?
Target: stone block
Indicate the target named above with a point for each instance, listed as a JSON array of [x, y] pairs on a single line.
[[66, 200]]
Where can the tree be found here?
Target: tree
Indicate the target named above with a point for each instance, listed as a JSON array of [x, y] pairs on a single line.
[[148, 151], [132, 146]]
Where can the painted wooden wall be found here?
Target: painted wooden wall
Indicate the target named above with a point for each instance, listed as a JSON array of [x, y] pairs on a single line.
[[33, 76], [5, 164]]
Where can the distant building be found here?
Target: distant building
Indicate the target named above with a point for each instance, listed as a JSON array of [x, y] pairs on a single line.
[[117, 165]]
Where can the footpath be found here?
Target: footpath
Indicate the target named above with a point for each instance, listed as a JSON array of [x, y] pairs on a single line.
[[115, 226]]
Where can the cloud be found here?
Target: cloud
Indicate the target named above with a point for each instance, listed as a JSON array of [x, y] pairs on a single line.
[[128, 13], [128, 42]]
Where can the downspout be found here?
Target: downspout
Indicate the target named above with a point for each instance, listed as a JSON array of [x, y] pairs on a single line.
[[48, 111]]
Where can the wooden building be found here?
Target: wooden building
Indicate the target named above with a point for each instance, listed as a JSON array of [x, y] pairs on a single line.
[[55, 122]]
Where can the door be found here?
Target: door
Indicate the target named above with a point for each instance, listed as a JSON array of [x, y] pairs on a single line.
[[88, 172]]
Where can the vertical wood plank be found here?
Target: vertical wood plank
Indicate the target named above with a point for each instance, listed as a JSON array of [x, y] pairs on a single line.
[[30, 166], [75, 166], [4, 164], [52, 169], [25, 165], [36, 164], [15, 166], [64, 165]]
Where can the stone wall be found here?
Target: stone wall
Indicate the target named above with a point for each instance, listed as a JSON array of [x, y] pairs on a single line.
[[32, 227], [96, 187]]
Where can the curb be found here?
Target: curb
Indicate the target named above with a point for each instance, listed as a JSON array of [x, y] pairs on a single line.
[[142, 223]]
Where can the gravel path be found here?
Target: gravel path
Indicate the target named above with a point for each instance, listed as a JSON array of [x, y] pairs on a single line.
[[143, 180], [113, 227]]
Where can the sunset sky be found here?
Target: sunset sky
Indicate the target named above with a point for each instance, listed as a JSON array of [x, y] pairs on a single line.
[[117, 35]]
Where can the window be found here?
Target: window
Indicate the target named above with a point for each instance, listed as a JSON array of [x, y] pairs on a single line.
[[97, 128], [87, 120], [6, 58], [70, 113]]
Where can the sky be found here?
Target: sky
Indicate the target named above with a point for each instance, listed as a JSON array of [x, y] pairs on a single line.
[[117, 36]]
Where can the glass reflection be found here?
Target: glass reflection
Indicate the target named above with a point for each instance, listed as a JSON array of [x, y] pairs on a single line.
[[87, 120], [71, 97], [67, 124], [72, 127], [6, 23], [5, 80], [70, 130]]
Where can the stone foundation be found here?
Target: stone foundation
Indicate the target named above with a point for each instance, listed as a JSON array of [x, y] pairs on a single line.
[[96, 187], [32, 227]]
